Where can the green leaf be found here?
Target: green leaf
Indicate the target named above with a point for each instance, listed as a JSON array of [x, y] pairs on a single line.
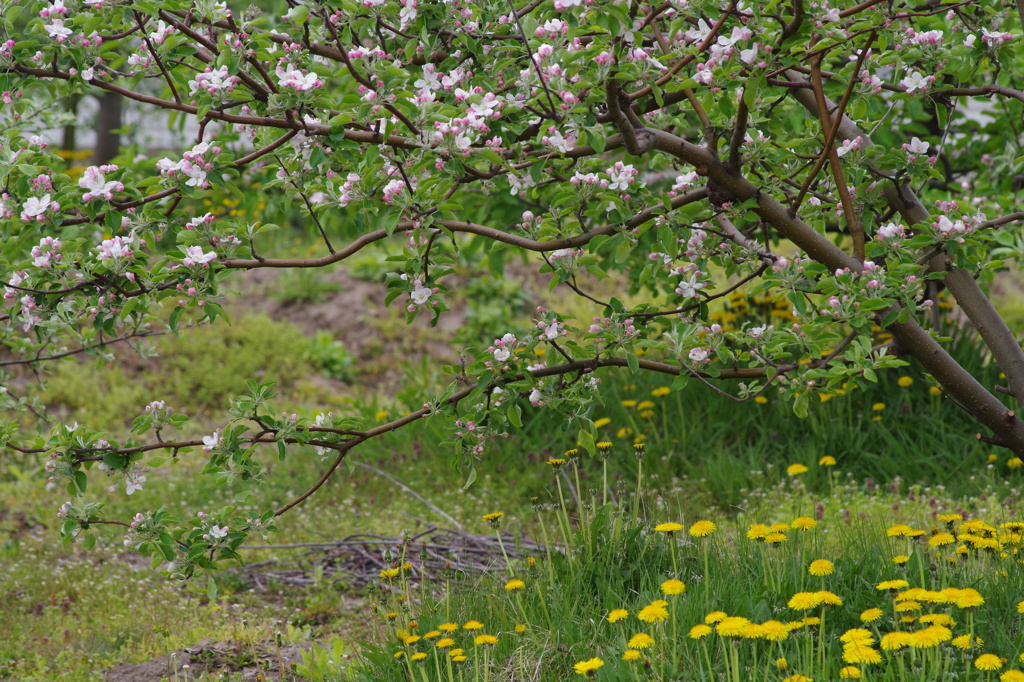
[[211, 588], [173, 321], [81, 480], [800, 405], [470, 478], [634, 364], [515, 416], [586, 439], [680, 382], [90, 541]]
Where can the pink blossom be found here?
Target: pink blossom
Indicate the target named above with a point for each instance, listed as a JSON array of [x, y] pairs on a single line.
[[97, 185], [194, 256], [58, 31], [296, 80]]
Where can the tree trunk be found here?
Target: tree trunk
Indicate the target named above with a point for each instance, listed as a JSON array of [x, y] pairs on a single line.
[[108, 122]]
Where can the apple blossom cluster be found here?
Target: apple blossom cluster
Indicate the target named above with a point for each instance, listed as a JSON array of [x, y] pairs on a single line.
[[502, 349], [47, 253], [192, 165], [420, 295], [36, 208], [218, 82], [116, 252], [566, 260], [297, 79], [97, 186]]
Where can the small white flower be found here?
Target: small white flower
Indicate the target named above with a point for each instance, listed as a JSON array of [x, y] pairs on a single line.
[[916, 146], [219, 532], [914, 81], [420, 294], [502, 354], [698, 355], [210, 442]]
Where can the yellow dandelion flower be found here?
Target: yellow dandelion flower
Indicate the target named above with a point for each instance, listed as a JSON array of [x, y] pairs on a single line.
[[758, 531], [878, 407], [938, 619], [941, 539], [715, 617], [1015, 463], [399, 654], [556, 463], [898, 530], [894, 641], [782, 664], [489, 640], [905, 382], [448, 627], [804, 601], [514, 584], [731, 626], [810, 620], [900, 559], [418, 656], [391, 615], [433, 634], [493, 518], [603, 421], [796, 469], [702, 529], [653, 613], [624, 432], [828, 598], [473, 625], [698, 631], [804, 523], [992, 459], [760, 400], [616, 615], [588, 667], [988, 662], [641, 640], [774, 631], [775, 538], [857, 636], [390, 573], [668, 527], [661, 391], [520, 629], [629, 404], [798, 678], [871, 615], [630, 655], [445, 642], [821, 567], [409, 640], [934, 390], [892, 585], [673, 586], [850, 672], [902, 606], [1012, 676], [645, 405], [964, 642], [967, 598], [381, 415], [827, 461], [855, 652]]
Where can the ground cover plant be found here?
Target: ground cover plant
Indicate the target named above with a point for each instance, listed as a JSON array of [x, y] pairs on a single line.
[[830, 166]]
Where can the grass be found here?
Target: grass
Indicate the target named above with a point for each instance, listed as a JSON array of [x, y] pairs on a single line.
[[607, 603], [903, 455]]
